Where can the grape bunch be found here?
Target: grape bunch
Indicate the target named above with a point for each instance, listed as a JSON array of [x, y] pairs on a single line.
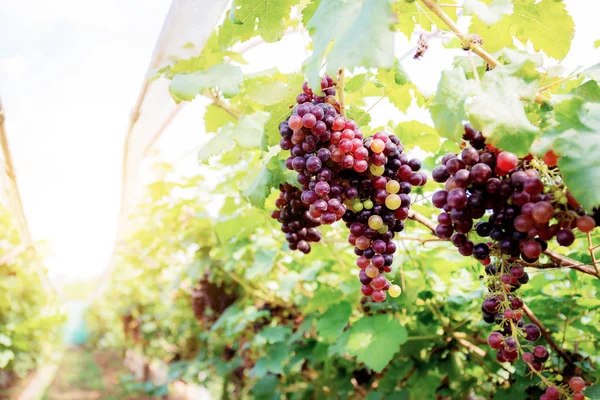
[[514, 206], [210, 299], [297, 224], [343, 175]]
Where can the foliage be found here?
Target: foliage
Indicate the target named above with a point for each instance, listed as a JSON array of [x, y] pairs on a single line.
[[298, 328], [30, 319]]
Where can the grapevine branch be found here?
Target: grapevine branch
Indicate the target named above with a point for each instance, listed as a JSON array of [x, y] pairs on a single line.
[[546, 334], [468, 41], [557, 260]]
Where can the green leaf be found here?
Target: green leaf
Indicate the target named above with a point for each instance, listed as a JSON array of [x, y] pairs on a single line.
[[398, 88], [263, 263], [356, 83], [546, 23], [274, 334], [448, 106], [246, 134], [593, 392], [185, 87], [375, 340], [215, 117], [489, 14], [597, 44], [309, 11], [374, 47], [576, 138], [418, 134], [272, 361], [267, 17], [332, 323], [271, 175], [497, 111]]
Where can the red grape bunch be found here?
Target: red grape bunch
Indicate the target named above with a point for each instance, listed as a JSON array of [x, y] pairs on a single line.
[[518, 205], [341, 174]]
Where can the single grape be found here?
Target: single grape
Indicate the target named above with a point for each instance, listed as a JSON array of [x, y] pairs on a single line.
[[532, 332], [565, 237], [541, 353], [372, 271], [506, 161], [542, 212], [586, 224], [577, 384], [496, 340], [379, 296]]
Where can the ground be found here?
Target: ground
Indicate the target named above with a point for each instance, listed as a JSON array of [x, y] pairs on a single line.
[[85, 375]]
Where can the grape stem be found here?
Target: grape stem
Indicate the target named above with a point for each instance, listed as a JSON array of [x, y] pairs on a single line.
[[546, 334], [340, 86], [468, 40], [591, 249], [217, 101]]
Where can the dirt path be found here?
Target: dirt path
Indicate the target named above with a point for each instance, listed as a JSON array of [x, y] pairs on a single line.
[[84, 375]]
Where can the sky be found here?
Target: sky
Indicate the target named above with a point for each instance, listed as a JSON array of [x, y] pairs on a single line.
[[70, 73]]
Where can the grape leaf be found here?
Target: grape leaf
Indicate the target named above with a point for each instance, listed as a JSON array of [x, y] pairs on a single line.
[[273, 334], [546, 23], [497, 111], [419, 134], [489, 14], [356, 83], [281, 110], [246, 133], [272, 360], [309, 11], [266, 17], [448, 106], [332, 323], [593, 392], [270, 176], [215, 117], [576, 138], [263, 263], [374, 47], [375, 340], [227, 78], [398, 88]]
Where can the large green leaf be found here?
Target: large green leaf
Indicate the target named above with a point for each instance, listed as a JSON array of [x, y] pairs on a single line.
[[227, 78], [271, 175], [497, 111], [331, 324], [375, 340], [246, 134], [448, 107], [576, 138], [339, 21], [416, 133], [248, 17], [398, 88], [546, 23]]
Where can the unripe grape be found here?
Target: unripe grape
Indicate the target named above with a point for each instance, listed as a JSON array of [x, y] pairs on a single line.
[[376, 170], [394, 291], [375, 222], [392, 186], [368, 204], [392, 201]]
